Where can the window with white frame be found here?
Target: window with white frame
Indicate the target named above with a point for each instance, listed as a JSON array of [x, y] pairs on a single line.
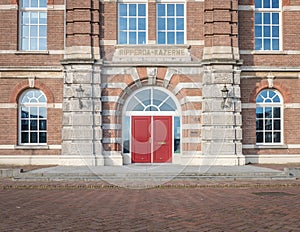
[[267, 24], [132, 23], [33, 25], [170, 23], [269, 123], [33, 118]]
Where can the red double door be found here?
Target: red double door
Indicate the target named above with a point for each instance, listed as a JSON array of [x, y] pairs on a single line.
[[151, 139]]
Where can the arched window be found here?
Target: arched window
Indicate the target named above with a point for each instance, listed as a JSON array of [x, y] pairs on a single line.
[[33, 118], [269, 123]]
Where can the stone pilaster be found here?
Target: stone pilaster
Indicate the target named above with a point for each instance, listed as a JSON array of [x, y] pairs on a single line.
[[82, 132], [222, 134]]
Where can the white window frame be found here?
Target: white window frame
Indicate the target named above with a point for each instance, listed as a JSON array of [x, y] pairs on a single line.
[[32, 10], [175, 23], [270, 105], [268, 10], [137, 17], [29, 105]]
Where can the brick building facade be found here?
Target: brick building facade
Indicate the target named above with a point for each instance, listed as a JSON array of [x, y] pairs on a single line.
[[199, 82]]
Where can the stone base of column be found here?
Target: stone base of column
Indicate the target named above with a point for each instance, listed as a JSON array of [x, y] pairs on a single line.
[[113, 158]]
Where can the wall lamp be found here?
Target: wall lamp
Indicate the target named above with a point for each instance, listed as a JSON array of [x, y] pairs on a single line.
[[224, 95]]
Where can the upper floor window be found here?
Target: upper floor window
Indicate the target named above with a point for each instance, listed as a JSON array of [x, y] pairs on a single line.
[[33, 25], [267, 24], [170, 23], [269, 123], [132, 23], [33, 118]]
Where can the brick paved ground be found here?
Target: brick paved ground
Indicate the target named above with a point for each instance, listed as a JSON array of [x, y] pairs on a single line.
[[178, 206]]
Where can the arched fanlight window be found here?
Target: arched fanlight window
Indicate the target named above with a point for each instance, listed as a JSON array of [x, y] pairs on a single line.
[[32, 118], [269, 112], [151, 99]]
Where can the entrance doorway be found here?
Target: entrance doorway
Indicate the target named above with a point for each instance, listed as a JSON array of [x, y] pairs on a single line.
[[151, 139], [151, 126]]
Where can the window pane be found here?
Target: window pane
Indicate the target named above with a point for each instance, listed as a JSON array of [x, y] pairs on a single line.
[[34, 18], [42, 125], [275, 31], [25, 31], [179, 38], [142, 9], [42, 137], [171, 24], [268, 124], [267, 18], [132, 9], [34, 3], [33, 125], [142, 24], [276, 112], [258, 3], [267, 44], [277, 125], [177, 130], [161, 9], [180, 24], [123, 23], [34, 44], [170, 10], [266, 4], [259, 137], [275, 3], [43, 18], [258, 18], [259, 112], [43, 3], [258, 44], [33, 137], [132, 38], [24, 125], [34, 31], [179, 9], [259, 124], [132, 24], [275, 18], [277, 137], [25, 112], [123, 9], [43, 112], [268, 112], [267, 31], [161, 24], [24, 137], [142, 38], [170, 38], [268, 137], [275, 44], [43, 31], [25, 18], [161, 38], [258, 31], [25, 3], [123, 38]]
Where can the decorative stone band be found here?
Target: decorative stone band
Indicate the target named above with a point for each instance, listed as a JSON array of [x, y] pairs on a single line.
[[151, 54]]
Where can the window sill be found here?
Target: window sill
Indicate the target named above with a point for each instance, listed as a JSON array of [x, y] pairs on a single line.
[[274, 146], [32, 147], [32, 52]]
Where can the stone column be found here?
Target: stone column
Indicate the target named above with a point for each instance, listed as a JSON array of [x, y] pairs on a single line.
[[222, 135], [82, 133]]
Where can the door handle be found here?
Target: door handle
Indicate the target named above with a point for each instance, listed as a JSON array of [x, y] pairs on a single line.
[[161, 143]]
